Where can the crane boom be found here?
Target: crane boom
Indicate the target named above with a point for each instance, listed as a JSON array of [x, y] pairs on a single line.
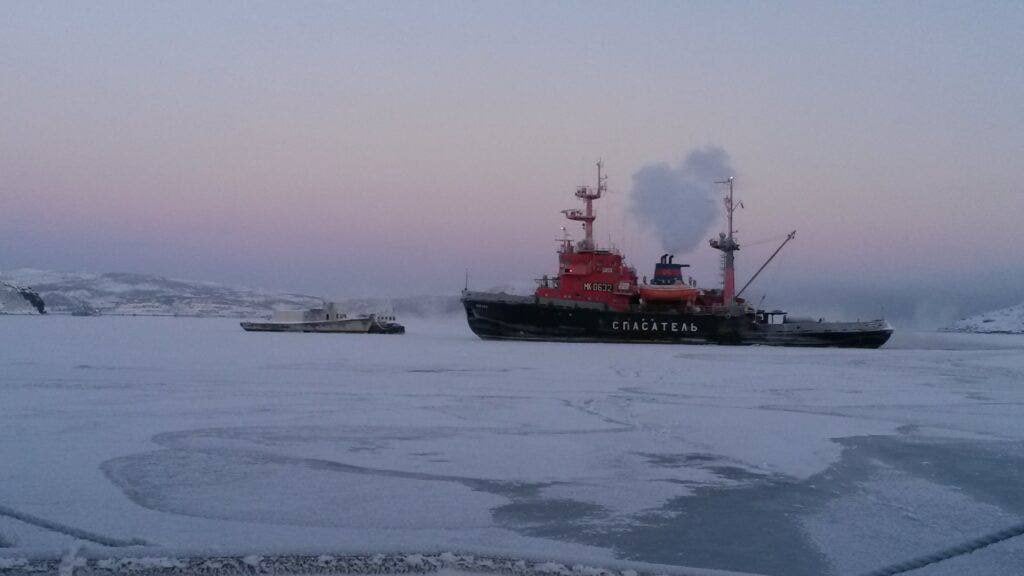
[[789, 237]]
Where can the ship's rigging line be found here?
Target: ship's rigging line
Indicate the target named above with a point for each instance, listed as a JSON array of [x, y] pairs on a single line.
[[789, 237], [775, 238], [772, 275]]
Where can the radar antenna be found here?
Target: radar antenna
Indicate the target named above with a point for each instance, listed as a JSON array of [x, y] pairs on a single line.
[[587, 215]]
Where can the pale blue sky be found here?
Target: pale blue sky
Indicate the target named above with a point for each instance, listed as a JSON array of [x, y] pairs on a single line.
[[360, 148]]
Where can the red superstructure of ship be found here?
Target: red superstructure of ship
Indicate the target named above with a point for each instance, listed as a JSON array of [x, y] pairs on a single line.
[[587, 273]]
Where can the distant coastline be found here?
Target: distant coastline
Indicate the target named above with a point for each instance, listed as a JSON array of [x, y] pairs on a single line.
[[131, 294]]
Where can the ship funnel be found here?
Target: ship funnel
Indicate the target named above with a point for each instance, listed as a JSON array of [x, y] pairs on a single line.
[[667, 272], [671, 257]]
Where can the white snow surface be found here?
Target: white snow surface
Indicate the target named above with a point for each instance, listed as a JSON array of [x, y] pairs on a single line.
[[186, 437], [1003, 321]]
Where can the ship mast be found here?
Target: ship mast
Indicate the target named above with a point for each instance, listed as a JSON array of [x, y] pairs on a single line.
[[728, 245], [587, 215]]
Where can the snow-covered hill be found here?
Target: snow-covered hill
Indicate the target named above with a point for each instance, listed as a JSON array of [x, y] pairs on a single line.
[[84, 293], [1003, 321], [119, 293], [18, 300]]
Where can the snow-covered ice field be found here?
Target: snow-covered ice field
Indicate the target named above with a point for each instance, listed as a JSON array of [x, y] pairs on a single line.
[[177, 438]]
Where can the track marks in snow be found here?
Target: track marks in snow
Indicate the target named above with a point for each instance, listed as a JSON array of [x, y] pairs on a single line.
[[69, 530], [586, 408], [178, 442], [203, 475]]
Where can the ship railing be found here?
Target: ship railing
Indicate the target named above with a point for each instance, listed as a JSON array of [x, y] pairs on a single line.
[[726, 308]]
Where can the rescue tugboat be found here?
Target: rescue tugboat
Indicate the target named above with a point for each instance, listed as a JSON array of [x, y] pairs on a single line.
[[596, 297], [326, 319]]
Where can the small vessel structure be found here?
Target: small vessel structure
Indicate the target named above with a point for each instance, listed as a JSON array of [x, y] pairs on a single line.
[[596, 296], [329, 318]]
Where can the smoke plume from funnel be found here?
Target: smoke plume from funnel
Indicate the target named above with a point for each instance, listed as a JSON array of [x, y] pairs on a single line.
[[680, 203]]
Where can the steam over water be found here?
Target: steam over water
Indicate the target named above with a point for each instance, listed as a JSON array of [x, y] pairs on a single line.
[[680, 203]]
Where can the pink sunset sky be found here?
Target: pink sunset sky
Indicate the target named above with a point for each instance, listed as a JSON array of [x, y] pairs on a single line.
[[356, 149]]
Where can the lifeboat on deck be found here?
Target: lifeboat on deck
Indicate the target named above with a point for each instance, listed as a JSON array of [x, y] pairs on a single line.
[[669, 293], [668, 284]]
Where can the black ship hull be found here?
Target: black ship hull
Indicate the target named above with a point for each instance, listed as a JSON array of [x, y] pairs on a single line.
[[506, 317]]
